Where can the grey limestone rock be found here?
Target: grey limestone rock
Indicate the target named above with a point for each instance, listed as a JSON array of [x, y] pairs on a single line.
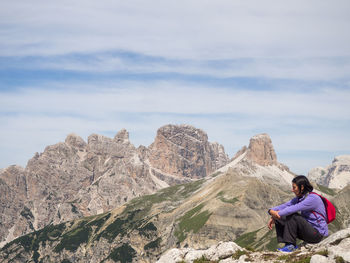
[[321, 259], [185, 151], [261, 151], [216, 252]]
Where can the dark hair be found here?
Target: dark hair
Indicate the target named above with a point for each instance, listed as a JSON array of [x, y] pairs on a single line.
[[302, 180]]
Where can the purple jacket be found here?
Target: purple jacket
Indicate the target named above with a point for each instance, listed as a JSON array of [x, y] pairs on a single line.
[[307, 204]]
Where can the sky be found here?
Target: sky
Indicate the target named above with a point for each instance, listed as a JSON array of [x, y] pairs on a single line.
[[231, 68]]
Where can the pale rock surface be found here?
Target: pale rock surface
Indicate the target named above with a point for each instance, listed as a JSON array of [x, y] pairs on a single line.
[[318, 175], [321, 259], [341, 234], [13, 194], [242, 259], [228, 260], [222, 250], [122, 137], [173, 255], [219, 251], [240, 155], [341, 250], [220, 157], [261, 151], [116, 168], [185, 151], [341, 202], [192, 255], [339, 172], [336, 175], [75, 141], [337, 244]]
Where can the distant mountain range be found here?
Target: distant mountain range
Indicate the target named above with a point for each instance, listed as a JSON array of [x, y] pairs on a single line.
[[336, 175], [72, 179], [105, 200]]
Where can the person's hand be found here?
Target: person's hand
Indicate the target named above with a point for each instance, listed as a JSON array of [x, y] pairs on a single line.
[[270, 223], [275, 214]]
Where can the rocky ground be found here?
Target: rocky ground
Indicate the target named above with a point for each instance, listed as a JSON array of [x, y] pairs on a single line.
[[333, 249]]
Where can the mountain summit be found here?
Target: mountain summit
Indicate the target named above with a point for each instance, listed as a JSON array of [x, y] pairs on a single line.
[[185, 151], [261, 150], [259, 160]]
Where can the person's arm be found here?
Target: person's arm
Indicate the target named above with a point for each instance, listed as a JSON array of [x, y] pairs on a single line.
[[286, 204], [308, 204]]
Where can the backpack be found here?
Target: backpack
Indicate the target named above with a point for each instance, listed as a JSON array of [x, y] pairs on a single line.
[[330, 209]]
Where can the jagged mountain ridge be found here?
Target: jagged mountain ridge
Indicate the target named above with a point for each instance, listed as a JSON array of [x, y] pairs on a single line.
[[72, 179], [223, 207]]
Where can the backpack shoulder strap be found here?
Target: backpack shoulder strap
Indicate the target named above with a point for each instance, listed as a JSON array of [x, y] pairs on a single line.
[[314, 212]]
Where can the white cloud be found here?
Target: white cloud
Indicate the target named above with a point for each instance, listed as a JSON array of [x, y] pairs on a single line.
[[320, 69], [186, 29], [172, 97]]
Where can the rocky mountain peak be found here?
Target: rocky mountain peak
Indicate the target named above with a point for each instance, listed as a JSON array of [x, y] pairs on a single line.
[[336, 175], [173, 131], [122, 136], [13, 176], [261, 151], [13, 169], [342, 160], [99, 144], [95, 138], [75, 141], [185, 151]]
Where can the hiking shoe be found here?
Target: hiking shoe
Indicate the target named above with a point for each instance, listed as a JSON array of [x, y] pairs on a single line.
[[288, 248]]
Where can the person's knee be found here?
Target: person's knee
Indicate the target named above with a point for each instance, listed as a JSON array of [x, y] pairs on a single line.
[[294, 216]]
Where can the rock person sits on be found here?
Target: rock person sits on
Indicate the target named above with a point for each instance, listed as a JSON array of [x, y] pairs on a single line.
[[309, 225]]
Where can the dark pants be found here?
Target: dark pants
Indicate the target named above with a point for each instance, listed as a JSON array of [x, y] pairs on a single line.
[[294, 226]]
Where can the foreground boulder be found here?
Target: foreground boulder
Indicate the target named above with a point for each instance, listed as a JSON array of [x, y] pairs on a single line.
[[220, 251], [336, 245]]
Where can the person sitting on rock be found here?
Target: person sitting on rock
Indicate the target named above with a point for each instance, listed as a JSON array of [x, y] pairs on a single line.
[[309, 225]]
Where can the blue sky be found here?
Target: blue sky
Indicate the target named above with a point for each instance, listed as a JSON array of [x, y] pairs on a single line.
[[231, 68]]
